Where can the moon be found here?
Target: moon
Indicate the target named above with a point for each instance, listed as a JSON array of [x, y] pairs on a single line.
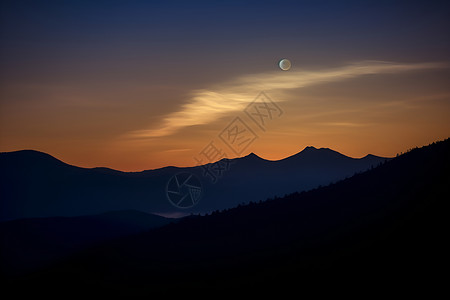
[[284, 64]]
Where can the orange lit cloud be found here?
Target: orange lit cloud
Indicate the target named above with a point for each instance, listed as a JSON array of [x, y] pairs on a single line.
[[207, 105]]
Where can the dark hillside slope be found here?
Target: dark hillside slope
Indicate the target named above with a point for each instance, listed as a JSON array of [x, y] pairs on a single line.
[[384, 225], [30, 243]]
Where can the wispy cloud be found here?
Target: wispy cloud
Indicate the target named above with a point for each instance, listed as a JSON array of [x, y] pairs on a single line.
[[178, 150], [343, 124], [206, 105]]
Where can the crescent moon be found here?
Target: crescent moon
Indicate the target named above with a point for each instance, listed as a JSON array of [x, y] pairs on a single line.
[[284, 64]]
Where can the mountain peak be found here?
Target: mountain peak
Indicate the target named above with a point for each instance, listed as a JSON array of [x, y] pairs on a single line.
[[313, 153], [252, 155], [309, 148], [312, 149], [29, 157]]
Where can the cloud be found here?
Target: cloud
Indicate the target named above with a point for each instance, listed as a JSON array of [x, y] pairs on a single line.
[[343, 124], [206, 105]]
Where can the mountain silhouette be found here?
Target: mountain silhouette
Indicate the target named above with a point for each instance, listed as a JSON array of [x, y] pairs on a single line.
[[35, 184], [382, 228]]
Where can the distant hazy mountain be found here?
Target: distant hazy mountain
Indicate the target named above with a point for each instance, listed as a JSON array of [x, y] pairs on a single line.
[[35, 184], [383, 229], [30, 243]]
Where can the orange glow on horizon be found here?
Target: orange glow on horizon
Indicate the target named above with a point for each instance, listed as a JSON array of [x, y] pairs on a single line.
[[383, 109]]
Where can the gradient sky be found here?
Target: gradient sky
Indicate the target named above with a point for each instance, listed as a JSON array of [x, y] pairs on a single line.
[[136, 85]]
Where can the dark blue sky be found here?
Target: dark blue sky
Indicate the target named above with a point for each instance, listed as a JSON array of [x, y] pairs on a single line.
[[189, 32]]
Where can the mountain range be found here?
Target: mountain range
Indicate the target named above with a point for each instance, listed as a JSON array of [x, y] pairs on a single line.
[[34, 184], [383, 229]]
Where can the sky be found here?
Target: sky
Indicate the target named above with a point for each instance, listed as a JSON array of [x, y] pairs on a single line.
[[136, 85]]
